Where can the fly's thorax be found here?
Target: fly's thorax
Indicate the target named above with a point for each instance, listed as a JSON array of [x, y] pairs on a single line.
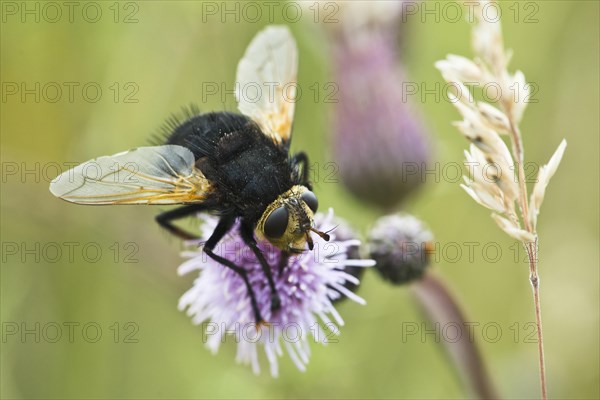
[[287, 221]]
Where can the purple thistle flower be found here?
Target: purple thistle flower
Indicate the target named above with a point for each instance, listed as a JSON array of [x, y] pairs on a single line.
[[307, 286], [379, 138]]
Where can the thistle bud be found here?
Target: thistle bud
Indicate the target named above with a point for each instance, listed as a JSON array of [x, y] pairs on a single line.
[[378, 137], [400, 244]]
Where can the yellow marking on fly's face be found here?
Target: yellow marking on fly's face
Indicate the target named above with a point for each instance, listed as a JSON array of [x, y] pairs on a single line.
[[300, 220]]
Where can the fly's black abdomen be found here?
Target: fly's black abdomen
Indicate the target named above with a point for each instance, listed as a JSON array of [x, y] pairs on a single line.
[[247, 168], [250, 170], [201, 133], [253, 169]]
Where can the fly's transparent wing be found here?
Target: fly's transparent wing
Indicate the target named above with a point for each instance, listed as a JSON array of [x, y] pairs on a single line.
[[266, 85], [145, 175]]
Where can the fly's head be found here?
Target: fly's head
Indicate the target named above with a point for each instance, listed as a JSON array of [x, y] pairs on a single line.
[[288, 221]]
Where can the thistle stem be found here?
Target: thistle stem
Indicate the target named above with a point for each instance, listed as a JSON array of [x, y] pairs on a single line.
[[441, 307]]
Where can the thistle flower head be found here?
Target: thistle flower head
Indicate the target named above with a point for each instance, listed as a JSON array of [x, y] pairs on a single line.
[[379, 138], [306, 286], [400, 245]]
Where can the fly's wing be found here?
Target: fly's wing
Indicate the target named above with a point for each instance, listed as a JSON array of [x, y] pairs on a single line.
[[266, 82], [145, 175]]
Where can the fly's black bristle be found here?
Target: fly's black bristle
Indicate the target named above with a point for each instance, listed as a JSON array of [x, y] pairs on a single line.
[[173, 122], [156, 139], [192, 110]]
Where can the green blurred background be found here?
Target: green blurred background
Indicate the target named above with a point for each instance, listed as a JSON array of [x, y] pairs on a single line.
[[162, 61]]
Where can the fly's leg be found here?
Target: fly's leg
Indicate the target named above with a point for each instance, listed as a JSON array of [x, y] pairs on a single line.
[[301, 158], [224, 225], [248, 236], [165, 220]]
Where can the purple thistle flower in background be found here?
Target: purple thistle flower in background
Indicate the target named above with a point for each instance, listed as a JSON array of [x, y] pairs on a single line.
[[307, 286], [379, 139]]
